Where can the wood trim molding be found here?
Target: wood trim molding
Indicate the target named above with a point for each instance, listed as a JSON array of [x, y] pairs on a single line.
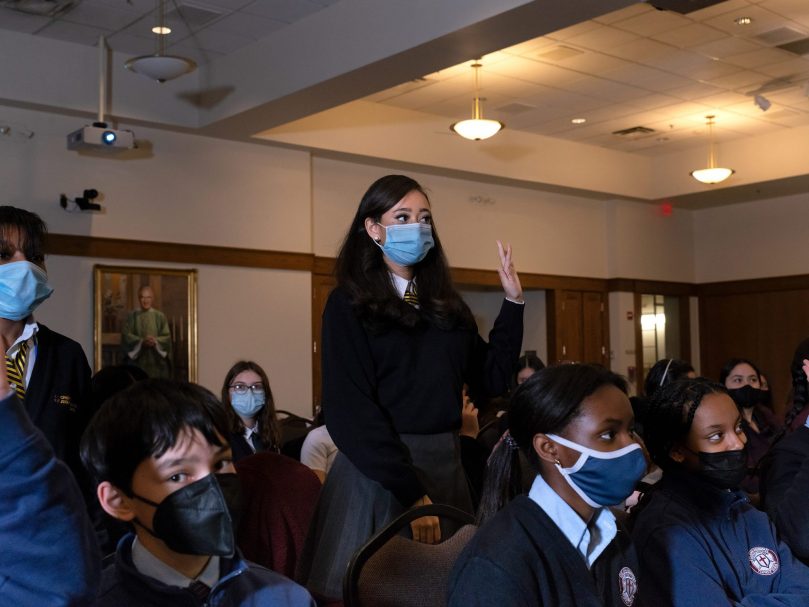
[[656, 287], [143, 250], [754, 285]]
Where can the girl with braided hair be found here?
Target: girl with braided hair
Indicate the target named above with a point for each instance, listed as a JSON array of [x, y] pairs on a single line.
[[560, 544], [699, 540]]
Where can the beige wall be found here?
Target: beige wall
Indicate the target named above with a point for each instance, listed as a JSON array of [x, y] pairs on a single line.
[[752, 240]]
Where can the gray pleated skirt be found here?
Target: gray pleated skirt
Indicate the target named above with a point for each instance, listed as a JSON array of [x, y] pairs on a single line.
[[352, 508]]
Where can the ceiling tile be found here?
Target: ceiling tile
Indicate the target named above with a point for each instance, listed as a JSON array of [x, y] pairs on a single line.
[[228, 5], [718, 9], [695, 90], [755, 59], [602, 37], [607, 90], [249, 26], [287, 11], [652, 22], [625, 13], [73, 32], [643, 51], [208, 40], [740, 80], [193, 51], [794, 68], [647, 78], [724, 47], [21, 22], [535, 71], [132, 45], [690, 35], [763, 21], [573, 30], [99, 14]]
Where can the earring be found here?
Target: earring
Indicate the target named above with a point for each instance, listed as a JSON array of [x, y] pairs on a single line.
[[377, 240], [557, 462]]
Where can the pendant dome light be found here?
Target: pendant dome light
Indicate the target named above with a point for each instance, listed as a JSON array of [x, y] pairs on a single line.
[[712, 174], [160, 66], [477, 128]]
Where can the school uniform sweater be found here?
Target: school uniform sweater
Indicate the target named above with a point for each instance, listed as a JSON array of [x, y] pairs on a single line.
[[241, 584], [785, 490], [378, 385], [521, 558], [701, 546]]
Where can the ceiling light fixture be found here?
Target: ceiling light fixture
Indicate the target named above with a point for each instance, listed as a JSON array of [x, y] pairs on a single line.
[[477, 128], [743, 20], [579, 120], [160, 66], [712, 174]]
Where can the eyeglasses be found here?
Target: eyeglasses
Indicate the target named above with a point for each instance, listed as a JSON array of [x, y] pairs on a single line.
[[243, 388]]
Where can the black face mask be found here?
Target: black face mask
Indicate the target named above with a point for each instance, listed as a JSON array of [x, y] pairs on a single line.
[[232, 490], [194, 519], [746, 397], [725, 469]]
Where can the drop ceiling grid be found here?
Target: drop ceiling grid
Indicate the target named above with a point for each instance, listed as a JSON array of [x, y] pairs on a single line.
[[685, 66]]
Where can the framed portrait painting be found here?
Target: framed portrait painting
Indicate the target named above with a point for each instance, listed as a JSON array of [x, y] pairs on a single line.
[[146, 317]]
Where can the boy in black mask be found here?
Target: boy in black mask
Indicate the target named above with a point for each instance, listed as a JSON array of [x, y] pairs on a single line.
[[158, 454]]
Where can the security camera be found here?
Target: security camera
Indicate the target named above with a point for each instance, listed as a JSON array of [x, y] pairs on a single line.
[[83, 203], [762, 102]]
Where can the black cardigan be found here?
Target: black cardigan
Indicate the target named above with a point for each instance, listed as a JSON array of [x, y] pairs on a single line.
[[785, 490], [521, 558], [377, 386]]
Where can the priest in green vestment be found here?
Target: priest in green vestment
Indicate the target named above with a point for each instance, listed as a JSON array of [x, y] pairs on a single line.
[[146, 338]]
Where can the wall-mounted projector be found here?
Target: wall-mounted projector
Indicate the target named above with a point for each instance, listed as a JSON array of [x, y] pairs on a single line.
[[100, 136]]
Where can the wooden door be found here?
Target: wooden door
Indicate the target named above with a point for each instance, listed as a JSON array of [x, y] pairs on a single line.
[[322, 286], [595, 328]]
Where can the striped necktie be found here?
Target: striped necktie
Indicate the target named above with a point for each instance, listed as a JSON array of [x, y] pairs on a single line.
[[15, 369], [410, 295]]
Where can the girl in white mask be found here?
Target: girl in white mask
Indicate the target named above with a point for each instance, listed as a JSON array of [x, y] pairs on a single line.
[[248, 400]]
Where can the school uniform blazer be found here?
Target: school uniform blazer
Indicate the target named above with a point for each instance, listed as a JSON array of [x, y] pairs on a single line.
[[699, 546], [57, 398], [520, 558], [785, 490], [240, 448]]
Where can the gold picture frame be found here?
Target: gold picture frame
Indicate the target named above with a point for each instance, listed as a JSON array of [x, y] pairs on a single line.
[[123, 328]]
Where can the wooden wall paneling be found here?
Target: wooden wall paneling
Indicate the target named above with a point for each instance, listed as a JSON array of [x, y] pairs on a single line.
[[594, 327], [728, 328], [639, 372]]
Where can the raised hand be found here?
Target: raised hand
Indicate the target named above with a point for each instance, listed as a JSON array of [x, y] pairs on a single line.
[[508, 275]]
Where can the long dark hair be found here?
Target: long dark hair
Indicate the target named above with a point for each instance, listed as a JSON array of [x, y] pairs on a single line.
[[362, 273], [800, 387], [268, 430], [545, 403], [732, 364]]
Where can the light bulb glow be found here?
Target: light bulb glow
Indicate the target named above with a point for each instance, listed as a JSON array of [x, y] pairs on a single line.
[[477, 129], [712, 174], [161, 30]]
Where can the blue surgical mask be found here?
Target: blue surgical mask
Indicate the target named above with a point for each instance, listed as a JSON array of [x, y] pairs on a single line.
[[407, 244], [247, 405], [23, 286], [603, 478]]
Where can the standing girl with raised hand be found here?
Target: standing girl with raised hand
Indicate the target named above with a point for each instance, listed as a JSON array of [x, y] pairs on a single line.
[[699, 540], [560, 544], [398, 345]]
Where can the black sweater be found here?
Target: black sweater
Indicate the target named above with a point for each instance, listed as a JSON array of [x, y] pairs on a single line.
[[377, 386], [521, 558], [785, 490]]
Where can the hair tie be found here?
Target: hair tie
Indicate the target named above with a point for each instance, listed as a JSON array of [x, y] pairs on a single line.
[[662, 379], [510, 442]]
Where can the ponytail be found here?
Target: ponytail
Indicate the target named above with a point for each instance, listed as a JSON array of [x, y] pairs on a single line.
[[503, 480]]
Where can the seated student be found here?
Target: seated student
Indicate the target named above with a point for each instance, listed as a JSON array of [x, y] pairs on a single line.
[[156, 450], [48, 552], [560, 544], [318, 450], [785, 489], [250, 409], [699, 540]]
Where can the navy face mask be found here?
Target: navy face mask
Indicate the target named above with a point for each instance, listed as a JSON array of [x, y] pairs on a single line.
[[603, 478]]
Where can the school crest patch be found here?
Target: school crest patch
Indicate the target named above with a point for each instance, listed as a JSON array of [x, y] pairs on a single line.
[[628, 585], [764, 561]]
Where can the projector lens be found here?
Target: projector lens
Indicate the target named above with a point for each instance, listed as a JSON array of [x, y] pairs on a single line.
[[108, 137]]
